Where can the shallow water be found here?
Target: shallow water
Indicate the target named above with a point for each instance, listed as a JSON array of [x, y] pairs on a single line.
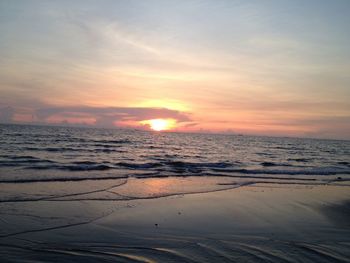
[[247, 224]]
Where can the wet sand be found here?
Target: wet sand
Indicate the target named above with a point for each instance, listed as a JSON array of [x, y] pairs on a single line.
[[194, 219]]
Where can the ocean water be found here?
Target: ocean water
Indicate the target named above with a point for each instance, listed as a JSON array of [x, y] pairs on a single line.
[[42, 153], [93, 195]]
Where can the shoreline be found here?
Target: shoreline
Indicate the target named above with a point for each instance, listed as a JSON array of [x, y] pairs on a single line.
[[274, 219]]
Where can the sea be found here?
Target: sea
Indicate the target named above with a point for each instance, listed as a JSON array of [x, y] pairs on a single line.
[[71, 194], [31, 153]]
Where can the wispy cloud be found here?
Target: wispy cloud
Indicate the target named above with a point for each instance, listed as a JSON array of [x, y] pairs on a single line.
[[238, 65], [102, 116], [6, 114]]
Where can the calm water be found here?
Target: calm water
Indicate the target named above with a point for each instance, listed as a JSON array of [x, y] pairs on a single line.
[[34, 153]]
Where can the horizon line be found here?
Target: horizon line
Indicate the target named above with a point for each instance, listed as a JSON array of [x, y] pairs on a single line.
[[86, 126]]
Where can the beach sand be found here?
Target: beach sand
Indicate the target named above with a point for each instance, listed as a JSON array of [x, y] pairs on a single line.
[[194, 219]]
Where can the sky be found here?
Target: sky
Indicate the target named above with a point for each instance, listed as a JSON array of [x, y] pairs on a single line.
[[272, 67]]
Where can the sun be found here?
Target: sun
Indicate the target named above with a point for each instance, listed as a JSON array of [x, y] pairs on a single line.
[[160, 124]]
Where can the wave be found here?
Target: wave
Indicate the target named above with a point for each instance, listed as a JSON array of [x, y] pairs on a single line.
[[251, 177], [105, 149], [86, 140], [172, 166], [62, 179], [139, 165], [23, 160], [268, 164], [315, 171], [344, 163], [302, 160], [20, 157], [198, 165], [113, 141], [175, 164], [82, 167], [53, 149]]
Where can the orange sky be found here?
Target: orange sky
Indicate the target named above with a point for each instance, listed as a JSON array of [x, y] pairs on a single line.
[[273, 68]]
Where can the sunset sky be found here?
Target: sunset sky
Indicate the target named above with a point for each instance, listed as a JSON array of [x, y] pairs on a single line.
[[251, 67]]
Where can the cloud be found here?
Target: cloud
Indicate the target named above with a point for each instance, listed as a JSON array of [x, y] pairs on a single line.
[[107, 116], [7, 114]]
